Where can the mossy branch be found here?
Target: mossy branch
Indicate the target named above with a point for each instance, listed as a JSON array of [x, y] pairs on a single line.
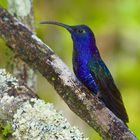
[[79, 99], [23, 116]]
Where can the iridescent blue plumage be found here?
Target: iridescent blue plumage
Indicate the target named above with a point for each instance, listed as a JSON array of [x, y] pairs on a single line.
[[92, 71]]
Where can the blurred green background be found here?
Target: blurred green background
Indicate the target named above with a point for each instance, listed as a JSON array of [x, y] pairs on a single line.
[[116, 25]]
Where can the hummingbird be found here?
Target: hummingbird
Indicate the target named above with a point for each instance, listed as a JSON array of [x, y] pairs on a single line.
[[91, 70]]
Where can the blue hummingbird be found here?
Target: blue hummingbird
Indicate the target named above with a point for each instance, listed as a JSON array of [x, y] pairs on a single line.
[[91, 70]]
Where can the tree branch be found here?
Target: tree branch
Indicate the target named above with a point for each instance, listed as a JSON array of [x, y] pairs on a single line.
[[29, 117], [80, 100]]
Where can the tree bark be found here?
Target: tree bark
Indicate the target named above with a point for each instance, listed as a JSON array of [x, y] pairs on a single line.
[[79, 99], [23, 11]]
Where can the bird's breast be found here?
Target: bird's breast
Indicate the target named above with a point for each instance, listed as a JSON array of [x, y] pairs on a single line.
[[82, 72]]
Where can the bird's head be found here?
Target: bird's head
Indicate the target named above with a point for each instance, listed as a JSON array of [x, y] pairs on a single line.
[[80, 33]]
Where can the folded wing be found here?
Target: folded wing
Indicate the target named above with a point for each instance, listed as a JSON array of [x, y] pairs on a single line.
[[108, 91]]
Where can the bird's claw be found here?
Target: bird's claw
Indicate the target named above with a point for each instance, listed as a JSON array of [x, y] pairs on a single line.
[[98, 96]]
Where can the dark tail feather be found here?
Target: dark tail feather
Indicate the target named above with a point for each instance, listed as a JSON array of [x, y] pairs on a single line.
[[113, 100]]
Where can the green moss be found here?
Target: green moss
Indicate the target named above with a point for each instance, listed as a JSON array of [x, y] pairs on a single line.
[[7, 130], [53, 78]]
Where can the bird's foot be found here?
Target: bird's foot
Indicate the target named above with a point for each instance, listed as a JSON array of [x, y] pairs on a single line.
[[98, 96]]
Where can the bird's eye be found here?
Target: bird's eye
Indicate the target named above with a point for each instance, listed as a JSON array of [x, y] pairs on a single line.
[[81, 31]]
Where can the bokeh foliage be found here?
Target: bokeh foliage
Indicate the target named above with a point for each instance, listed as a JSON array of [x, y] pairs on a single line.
[[116, 24]]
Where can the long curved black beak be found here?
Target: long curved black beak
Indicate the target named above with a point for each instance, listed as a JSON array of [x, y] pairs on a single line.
[[69, 28]]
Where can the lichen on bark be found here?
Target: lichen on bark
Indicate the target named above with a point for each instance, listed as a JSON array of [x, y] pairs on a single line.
[[27, 117]]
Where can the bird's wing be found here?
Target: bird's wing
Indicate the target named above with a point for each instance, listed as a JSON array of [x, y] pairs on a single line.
[[109, 93]]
